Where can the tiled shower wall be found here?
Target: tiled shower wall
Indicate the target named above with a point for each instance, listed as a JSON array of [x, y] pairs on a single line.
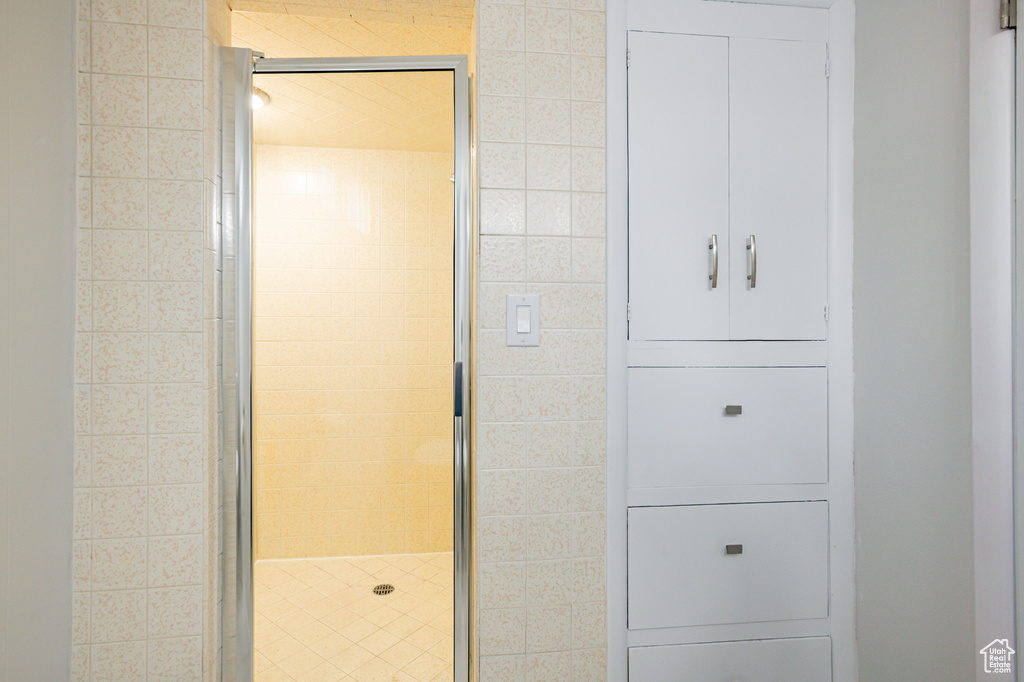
[[352, 351], [145, 547], [146, 489], [540, 438]]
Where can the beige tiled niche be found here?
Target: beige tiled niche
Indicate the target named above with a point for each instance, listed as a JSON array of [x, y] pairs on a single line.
[[352, 351]]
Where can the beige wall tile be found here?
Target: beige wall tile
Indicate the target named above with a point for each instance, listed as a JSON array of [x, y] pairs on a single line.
[[119, 661], [549, 628], [118, 409], [175, 357], [501, 538], [502, 631], [118, 100], [175, 154], [547, 75], [118, 357], [175, 560], [588, 78], [175, 459], [175, 509], [175, 611], [120, 11], [502, 165], [501, 27], [118, 460], [118, 512], [120, 254], [588, 169], [118, 152], [118, 48], [555, 665], [503, 258], [549, 582], [503, 211], [547, 30], [175, 307], [501, 119], [176, 13], [588, 625], [118, 615], [175, 256], [175, 103], [588, 33], [119, 564], [175, 53], [590, 665], [175, 658], [175, 205], [175, 408], [588, 214], [118, 203]]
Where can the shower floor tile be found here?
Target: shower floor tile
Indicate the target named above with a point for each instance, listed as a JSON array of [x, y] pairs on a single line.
[[319, 620]]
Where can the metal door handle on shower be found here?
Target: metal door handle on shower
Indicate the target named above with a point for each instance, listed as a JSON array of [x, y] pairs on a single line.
[[458, 389]]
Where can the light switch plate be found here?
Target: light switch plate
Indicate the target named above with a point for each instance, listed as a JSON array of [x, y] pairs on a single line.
[[515, 318]]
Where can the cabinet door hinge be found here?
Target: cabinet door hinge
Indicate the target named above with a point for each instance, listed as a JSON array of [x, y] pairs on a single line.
[[828, 68], [826, 313], [627, 59], [1008, 14], [629, 311]]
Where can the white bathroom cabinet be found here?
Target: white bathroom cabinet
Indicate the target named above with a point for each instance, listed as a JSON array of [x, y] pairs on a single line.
[[728, 210], [732, 567]]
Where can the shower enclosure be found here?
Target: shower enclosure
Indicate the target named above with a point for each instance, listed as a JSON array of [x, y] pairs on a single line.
[[345, 296]]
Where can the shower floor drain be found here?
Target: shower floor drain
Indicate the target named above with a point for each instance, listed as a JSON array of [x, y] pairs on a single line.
[[384, 589]]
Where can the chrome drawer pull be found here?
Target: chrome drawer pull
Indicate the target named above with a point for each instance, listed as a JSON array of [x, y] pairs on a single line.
[[714, 261], [733, 410], [734, 549], [752, 248]]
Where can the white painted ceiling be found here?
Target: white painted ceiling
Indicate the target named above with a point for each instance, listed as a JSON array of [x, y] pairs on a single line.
[[405, 111]]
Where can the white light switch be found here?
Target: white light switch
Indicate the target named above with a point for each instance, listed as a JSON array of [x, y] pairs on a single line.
[[522, 320]]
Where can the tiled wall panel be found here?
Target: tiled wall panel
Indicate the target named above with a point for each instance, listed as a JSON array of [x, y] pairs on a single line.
[[145, 580], [540, 429], [146, 483], [352, 352]]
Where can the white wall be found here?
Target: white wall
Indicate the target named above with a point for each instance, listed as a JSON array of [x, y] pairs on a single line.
[[991, 136], [37, 157], [912, 352]]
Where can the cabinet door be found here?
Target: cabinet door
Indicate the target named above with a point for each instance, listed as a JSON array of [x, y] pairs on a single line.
[[728, 563], [807, 659], [778, 137], [681, 433], [678, 186]]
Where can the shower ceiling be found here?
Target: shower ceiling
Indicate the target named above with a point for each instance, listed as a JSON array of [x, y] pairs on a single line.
[[410, 112], [456, 13]]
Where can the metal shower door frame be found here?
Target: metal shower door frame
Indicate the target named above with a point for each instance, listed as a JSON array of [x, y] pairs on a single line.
[[239, 67]]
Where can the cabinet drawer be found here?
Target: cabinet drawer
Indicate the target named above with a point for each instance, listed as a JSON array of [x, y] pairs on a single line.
[[730, 563], [680, 434], [771, 660]]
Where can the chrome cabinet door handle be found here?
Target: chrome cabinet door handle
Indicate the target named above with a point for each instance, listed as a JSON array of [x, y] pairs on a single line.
[[752, 248], [714, 261]]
